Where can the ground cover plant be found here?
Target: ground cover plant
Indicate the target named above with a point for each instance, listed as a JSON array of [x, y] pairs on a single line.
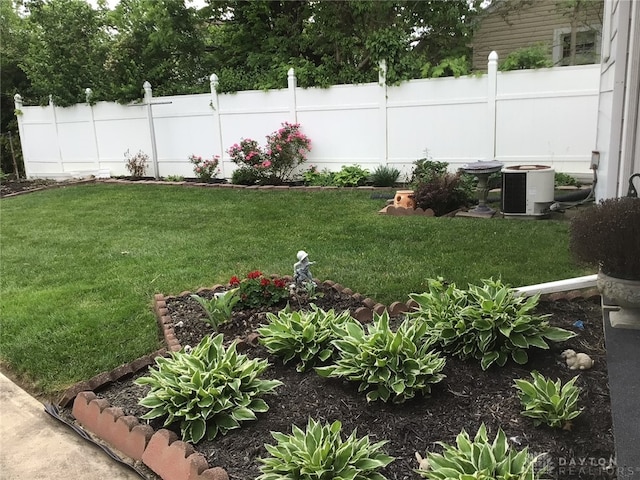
[[79, 265]]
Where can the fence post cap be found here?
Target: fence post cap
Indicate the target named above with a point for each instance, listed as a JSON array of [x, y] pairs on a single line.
[[493, 55]]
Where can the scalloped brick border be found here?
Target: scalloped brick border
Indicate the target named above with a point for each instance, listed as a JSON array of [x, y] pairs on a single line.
[[161, 450]]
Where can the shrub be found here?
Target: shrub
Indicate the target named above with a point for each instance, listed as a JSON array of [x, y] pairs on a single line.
[[174, 178], [424, 170], [220, 307], [210, 390], [305, 335], [442, 193], [384, 176], [259, 291], [315, 178], [136, 164], [205, 169], [319, 453], [246, 176], [534, 56], [563, 179], [350, 176], [389, 364], [549, 402], [487, 323], [606, 236], [479, 459], [287, 148]]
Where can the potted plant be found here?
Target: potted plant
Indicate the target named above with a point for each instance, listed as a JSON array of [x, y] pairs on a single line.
[[607, 235]]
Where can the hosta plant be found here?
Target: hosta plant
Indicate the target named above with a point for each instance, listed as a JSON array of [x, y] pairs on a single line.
[[209, 390], [219, 308], [389, 365], [479, 459], [320, 453], [489, 323], [549, 402], [304, 335]]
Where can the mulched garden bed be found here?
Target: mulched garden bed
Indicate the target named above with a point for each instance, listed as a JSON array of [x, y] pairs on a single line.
[[466, 398]]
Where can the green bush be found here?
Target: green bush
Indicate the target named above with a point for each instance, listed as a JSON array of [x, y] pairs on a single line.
[[549, 402], [564, 179], [534, 56], [313, 177], [209, 391], [479, 459], [391, 365], [246, 176], [305, 335], [174, 178], [424, 170], [487, 323], [220, 307], [350, 176], [319, 453], [384, 176]]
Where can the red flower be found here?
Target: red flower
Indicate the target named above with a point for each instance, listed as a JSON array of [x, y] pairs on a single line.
[[234, 281], [280, 283], [265, 282], [254, 274]]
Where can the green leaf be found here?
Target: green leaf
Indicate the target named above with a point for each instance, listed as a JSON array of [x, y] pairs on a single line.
[[520, 356], [242, 413], [556, 334], [198, 429]]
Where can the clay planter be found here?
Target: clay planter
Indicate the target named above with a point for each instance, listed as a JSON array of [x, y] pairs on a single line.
[[405, 199]]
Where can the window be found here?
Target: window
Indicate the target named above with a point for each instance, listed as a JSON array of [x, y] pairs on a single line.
[[587, 46]]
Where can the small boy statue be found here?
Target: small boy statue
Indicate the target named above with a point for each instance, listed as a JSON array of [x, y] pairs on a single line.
[[301, 273]]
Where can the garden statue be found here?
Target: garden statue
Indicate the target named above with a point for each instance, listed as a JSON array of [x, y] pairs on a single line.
[[301, 273], [577, 361]]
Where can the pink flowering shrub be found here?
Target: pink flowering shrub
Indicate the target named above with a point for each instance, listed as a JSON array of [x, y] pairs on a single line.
[[286, 149], [205, 169]]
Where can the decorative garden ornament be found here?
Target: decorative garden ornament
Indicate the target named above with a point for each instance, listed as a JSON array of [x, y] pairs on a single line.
[[301, 273], [577, 361]]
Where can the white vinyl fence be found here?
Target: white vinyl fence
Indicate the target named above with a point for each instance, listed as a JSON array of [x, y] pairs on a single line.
[[546, 116]]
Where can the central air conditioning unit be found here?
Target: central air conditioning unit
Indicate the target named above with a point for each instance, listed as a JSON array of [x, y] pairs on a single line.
[[527, 190]]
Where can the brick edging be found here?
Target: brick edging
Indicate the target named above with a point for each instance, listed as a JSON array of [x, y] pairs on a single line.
[[235, 186], [161, 450]]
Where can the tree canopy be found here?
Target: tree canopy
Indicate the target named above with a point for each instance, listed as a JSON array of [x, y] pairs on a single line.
[[64, 46]]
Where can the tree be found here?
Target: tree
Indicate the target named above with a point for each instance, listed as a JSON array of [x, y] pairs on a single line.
[[254, 43], [13, 80], [159, 41], [66, 50]]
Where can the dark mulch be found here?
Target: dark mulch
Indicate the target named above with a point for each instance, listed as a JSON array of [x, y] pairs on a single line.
[[465, 399], [18, 186]]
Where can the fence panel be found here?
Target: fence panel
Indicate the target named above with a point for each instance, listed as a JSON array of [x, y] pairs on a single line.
[[545, 116]]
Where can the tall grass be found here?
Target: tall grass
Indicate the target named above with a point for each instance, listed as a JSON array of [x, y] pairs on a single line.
[[79, 265]]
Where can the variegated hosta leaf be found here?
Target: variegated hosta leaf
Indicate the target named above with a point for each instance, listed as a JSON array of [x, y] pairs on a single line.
[[549, 402], [319, 452], [209, 390], [489, 323], [478, 458], [389, 365], [303, 335]]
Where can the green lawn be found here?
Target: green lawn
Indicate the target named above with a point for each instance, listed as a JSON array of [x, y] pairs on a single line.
[[79, 265]]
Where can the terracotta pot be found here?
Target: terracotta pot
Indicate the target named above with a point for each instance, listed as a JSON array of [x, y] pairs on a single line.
[[404, 198], [626, 295]]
